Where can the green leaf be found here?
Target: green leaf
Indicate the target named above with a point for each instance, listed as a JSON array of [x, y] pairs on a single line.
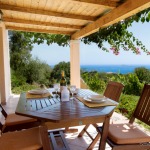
[[149, 15], [142, 19], [147, 19]]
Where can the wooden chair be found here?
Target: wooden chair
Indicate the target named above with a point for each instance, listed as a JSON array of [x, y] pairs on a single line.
[[128, 136], [58, 140], [29, 139], [112, 91], [14, 122]]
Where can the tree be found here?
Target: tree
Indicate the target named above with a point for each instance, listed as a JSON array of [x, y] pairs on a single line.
[[94, 81], [143, 74], [56, 72], [133, 85], [37, 71], [23, 67], [20, 48]]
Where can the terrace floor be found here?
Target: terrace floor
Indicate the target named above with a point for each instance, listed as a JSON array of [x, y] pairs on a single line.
[[74, 142]]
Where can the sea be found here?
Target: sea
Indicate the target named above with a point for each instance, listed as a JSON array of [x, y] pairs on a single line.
[[121, 69]]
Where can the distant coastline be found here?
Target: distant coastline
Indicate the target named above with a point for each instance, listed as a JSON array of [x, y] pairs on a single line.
[[122, 69]]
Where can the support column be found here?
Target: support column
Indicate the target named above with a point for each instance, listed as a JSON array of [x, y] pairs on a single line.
[[5, 80], [75, 63]]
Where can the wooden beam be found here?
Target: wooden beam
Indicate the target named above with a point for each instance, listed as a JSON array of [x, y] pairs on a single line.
[[129, 8], [38, 30], [45, 12], [107, 3], [31, 22]]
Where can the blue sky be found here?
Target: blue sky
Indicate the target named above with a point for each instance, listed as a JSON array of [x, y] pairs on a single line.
[[91, 54]]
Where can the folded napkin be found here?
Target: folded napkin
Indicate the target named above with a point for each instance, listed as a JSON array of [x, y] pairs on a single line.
[[108, 102], [32, 96]]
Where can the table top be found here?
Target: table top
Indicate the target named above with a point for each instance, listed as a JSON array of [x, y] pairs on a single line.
[[53, 110]]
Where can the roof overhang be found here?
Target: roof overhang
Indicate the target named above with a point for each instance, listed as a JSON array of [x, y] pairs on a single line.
[[77, 18]]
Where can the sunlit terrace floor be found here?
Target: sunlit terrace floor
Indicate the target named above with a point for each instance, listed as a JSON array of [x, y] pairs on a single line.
[[74, 142]]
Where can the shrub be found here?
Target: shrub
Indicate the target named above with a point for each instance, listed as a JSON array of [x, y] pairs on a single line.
[[94, 81], [38, 71], [143, 74], [133, 85], [127, 104], [17, 79], [56, 72], [24, 88]]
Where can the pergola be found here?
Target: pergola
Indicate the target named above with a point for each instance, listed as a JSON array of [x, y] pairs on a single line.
[[77, 18]]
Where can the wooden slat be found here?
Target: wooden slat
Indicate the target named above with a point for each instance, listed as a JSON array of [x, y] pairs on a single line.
[[107, 3], [22, 21], [26, 3], [37, 30], [142, 111], [34, 4], [42, 4], [12, 2], [129, 8], [44, 12]]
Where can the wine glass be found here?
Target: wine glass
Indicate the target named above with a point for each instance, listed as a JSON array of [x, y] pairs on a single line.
[[56, 88], [72, 90]]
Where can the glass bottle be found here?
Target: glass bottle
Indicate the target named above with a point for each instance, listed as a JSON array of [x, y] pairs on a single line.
[[62, 81], [65, 94]]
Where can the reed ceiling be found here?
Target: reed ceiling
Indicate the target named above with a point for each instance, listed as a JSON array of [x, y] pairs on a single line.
[[77, 18]]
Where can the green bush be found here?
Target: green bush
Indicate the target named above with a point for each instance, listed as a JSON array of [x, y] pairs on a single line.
[[24, 88], [38, 71], [143, 74], [133, 85], [56, 72], [94, 81], [17, 79], [127, 104]]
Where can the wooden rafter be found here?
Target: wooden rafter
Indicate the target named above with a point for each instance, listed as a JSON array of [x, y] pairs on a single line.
[[46, 12], [31, 22], [107, 3], [127, 9], [27, 29]]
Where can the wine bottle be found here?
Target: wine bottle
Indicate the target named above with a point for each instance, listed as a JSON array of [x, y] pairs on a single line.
[[62, 81]]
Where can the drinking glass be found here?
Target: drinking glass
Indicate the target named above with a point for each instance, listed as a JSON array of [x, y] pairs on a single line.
[[56, 88], [72, 90]]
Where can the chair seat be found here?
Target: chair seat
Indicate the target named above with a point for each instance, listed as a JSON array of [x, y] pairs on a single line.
[[22, 140], [14, 119], [127, 134]]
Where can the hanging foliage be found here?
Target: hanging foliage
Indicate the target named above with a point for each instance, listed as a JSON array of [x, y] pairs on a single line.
[[116, 35], [119, 37]]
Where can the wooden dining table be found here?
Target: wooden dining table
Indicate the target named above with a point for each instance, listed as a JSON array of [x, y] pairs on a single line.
[[56, 114]]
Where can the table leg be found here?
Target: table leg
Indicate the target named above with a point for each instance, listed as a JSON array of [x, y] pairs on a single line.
[[91, 146], [94, 142], [83, 131], [104, 134]]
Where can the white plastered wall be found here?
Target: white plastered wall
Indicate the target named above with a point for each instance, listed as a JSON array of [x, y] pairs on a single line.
[[5, 80], [75, 63]]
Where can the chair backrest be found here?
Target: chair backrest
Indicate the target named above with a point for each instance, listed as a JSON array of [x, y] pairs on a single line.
[[142, 110], [3, 111], [33, 138], [1, 126], [113, 90]]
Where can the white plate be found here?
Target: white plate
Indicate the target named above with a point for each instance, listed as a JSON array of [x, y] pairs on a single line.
[[91, 101], [96, 97], [38, 91]]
